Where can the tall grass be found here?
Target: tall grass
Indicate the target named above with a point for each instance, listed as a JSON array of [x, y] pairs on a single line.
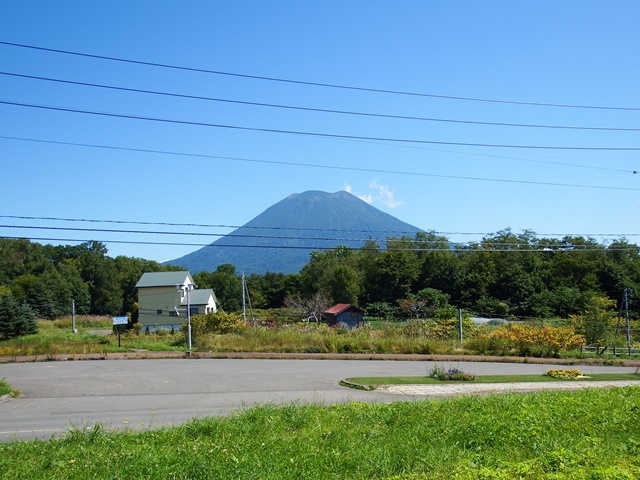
[[422, 337], [56, 338], [5, 388], [555, 435], [321, 339]]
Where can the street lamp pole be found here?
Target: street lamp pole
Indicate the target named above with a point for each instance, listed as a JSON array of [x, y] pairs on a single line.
[[185, 289], [189, 319]]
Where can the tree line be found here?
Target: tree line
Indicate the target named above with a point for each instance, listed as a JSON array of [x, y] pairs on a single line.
[[503, 274]]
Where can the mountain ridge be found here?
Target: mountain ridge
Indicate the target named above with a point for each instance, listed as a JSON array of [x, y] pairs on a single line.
[[281, 238]]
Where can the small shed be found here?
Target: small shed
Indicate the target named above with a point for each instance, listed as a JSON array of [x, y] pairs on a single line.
[[346, 315]]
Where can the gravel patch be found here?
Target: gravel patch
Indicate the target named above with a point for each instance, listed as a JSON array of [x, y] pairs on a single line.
[[456, 389]]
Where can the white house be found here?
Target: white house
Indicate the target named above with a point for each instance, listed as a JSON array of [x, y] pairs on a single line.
[[162, 299]]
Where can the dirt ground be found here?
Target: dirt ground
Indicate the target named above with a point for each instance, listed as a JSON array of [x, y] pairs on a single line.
[[319, 356]]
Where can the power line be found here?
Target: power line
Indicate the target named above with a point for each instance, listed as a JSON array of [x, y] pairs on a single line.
[[277, 162], [148, 232], [207, 225], [502, 157], [486, 244], [311, 134], [558, 248], [315, 165], [319, 110], [355, 230], [314, 84]]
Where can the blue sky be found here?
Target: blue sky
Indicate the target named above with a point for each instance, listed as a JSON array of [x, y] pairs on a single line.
[[580, 53]]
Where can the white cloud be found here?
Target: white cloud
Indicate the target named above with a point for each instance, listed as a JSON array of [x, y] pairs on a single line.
[[384, 195]]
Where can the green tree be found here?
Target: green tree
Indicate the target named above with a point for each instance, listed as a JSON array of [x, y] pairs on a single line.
[[270, 290], [343, 285], [100, 274], [392, 272], [425, 303], [596, 319], [226, 285], [16, 319]]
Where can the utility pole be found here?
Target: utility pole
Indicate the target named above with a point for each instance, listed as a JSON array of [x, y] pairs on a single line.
[[626, 308], [244, 309], [73, 316]]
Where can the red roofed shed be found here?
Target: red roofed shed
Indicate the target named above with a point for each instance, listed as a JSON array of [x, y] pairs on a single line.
[[345, 314]]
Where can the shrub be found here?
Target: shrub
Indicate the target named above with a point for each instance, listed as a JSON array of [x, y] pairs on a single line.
[[528, 340], [453, 374], [436, 329], [217, 322], [565, 374]]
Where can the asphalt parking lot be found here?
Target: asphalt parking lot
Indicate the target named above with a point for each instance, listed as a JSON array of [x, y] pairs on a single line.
[[139, 394]]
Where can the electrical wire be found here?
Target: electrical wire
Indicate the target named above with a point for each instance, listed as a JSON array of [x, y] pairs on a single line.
[[465, 249], [311, 165], [315, 165], [148, 232], [313, 84], [501, 157], [320, 110], [484, 244], [312, 134], [354, 230], [349, 230]]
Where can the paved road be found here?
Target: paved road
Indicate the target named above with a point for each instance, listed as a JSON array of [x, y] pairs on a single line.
[[143, 393]]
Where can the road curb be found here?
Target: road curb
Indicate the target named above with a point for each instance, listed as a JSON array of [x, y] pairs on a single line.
[[149, 355]]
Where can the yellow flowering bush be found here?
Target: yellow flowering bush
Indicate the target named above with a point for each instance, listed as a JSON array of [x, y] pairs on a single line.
[[218, 322], [568, 374], [530, 340]]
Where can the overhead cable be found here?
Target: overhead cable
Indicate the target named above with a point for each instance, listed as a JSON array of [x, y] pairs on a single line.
[[313, 84], [320, 110], [558, 248], [312, 134], [348, 230], [341, 167], [315, 165], [482, 244]]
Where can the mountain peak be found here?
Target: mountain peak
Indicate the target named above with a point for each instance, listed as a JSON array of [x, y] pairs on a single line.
[[282, 237]]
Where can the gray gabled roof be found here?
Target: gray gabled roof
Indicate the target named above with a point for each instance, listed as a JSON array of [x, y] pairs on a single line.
[[199, 297], [163, 279]]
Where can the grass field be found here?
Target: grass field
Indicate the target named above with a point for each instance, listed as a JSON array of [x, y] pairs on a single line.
[[590, 434], [424, 380], [93, 336]]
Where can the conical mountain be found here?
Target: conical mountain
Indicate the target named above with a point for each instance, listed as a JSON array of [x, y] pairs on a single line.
[[281, 238]]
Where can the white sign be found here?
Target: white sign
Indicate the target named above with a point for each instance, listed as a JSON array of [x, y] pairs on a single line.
[[120, 320]]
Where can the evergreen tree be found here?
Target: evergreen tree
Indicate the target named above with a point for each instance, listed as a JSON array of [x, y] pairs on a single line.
[[16, 319]]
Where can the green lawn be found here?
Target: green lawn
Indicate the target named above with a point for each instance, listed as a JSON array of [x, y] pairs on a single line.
[[590, 434], [375, 381]]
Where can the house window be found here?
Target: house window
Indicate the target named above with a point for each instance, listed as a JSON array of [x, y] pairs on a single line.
[[173, 314], [194, 311], [159, 312]]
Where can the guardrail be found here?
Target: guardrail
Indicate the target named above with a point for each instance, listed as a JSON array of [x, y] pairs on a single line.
[[615, 351]]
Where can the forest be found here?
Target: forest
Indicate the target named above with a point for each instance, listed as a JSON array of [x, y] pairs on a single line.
[[506, 274]]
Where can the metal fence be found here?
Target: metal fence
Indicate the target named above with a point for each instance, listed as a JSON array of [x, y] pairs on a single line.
[[615, 351]]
